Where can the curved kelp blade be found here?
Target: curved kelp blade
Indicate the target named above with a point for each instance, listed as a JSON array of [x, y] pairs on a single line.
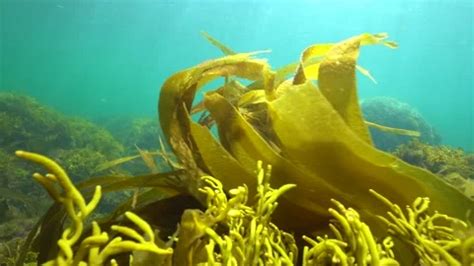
[[219, 162], [393, 130], [181, 88], [117, 183], [316, 50], [44, 236], [247, 146], [336, 77], [142, 199], [224, 49], [113, 163], [316, 138], [143, 205], [178, 92]]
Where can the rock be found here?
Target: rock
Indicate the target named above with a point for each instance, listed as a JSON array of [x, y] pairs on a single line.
[[391, 112]]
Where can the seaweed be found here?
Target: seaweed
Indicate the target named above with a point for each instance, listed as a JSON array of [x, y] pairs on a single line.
[[309, 127], [313, 135], [232, 231]]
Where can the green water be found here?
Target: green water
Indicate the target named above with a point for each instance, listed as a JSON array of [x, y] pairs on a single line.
[[109, 58]]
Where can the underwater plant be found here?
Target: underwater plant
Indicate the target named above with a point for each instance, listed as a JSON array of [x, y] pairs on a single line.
[[232, 232], [312, 134], [314, 137], [78, 210]]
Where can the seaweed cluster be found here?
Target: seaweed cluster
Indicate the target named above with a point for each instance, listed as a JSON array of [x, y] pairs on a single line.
[[232, 232], [390, 111], [452, 164], [308, 126], [305, 121]]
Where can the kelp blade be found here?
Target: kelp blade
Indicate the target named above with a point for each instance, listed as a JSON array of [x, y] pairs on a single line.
[[329, 148], [325, 147]]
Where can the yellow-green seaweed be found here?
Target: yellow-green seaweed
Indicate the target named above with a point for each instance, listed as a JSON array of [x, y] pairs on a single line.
[[97, 248], [232, 232], [313, 136]]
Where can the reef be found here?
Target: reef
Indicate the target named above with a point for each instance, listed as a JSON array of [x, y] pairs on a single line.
[[76, 143], [141, 140], [394, 113], [28, 124], [452, 164], [134, 132], [209, 206]]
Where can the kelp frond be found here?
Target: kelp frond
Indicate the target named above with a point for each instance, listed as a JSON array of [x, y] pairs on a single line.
[[308, 126], [398, 131], [233, 232]]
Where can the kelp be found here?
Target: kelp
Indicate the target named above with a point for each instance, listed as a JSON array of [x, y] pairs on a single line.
[[313, 135], [399, 131], [233, 231]]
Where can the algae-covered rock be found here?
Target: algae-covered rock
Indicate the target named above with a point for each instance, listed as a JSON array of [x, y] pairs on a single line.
[[27, 124], [453, 164], [81, 162], [10, 249], [394, 113], [140, 137], [134, 132]]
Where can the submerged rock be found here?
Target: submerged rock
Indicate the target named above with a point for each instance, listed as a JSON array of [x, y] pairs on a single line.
[[452, 164], [26, 124], [391, 112], [134, 132]]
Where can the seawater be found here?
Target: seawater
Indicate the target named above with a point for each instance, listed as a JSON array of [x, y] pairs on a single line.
[[109, 58]]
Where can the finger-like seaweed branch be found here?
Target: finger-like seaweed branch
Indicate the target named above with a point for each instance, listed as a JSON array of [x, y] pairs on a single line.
[[250, 238], [431, 236], [97, 248], [230, 232], [354, 243]]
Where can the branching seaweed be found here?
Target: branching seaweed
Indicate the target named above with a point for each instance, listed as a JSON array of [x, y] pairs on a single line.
[[97, 248], [354, 243], [431, 236], [319, 147], [230, 232]]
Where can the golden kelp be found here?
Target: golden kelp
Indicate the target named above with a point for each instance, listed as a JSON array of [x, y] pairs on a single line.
[[313, 135], [232, 232]]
